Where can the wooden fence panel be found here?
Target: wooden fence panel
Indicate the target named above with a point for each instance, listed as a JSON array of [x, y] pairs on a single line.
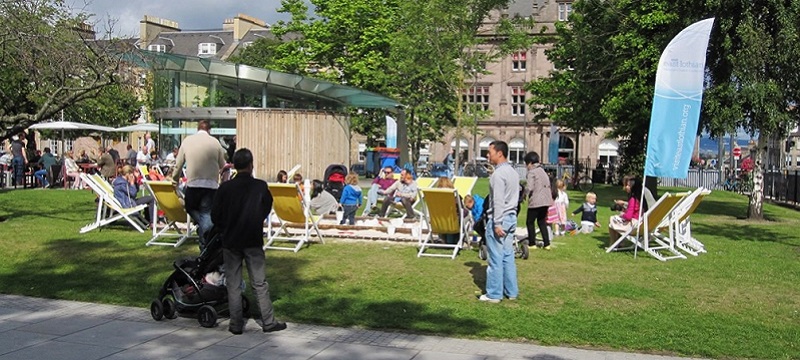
[[280, 139]]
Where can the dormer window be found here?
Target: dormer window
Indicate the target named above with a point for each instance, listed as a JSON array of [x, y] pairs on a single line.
[[157, 48], [207, 49]]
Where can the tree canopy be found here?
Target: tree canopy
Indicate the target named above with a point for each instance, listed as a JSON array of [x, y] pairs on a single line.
[[416, 52], [607, 54], [47, 63]]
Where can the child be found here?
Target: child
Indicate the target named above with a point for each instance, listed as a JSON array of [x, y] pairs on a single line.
[[351, 199], [561, 204], [589, 213]]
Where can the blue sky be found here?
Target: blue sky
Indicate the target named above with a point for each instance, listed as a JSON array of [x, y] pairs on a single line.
[[190, 14]]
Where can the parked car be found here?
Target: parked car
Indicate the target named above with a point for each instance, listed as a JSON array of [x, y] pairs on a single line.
[[359, 168]]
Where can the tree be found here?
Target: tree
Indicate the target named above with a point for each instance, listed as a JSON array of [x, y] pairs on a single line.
[[753, 81], [114, 105], [440, 50], [606, 58], [47, 65], [416, 52]]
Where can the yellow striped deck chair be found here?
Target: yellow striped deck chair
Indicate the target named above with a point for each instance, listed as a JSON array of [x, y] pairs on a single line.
[[167, 200], [646, 230], [443, 215], [109, 210], [289, 207], [464, 184]]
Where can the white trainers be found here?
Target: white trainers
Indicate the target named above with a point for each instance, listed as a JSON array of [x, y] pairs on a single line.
[[488, 299]]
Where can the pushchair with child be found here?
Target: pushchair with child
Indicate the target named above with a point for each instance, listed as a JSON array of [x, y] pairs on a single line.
[[195, 288], [334, 179], [521, 249]]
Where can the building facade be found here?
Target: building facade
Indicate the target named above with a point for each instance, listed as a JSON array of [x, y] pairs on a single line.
[[502, 92]]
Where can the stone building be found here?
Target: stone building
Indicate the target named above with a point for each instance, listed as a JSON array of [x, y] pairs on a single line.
[[502, 92]]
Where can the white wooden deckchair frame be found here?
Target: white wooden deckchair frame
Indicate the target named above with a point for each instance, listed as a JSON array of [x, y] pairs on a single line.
[[644, 233], [681, 223], [109, 210], [171, 230], [310, 223]]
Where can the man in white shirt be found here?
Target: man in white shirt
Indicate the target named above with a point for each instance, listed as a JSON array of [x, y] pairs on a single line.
[[142, 157], [170, 159], [148, 141]]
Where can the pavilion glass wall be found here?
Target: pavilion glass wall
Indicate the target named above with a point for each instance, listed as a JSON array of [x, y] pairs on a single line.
[[173, 88]]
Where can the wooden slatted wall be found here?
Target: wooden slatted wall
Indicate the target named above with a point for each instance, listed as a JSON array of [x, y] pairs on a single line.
[[282, 138]]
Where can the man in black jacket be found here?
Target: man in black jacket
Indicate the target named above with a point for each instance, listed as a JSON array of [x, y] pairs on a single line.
[[240, 207]]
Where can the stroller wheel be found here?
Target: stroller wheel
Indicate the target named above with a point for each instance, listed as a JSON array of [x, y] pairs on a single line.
[[525, 250], [245, 305], [207, 316], [483, 252], [156, 310], [169, 308]]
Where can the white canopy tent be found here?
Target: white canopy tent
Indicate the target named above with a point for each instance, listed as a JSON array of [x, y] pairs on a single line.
[[147, 127], [69, 125]]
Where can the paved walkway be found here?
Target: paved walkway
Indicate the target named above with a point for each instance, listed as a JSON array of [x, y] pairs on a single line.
[[33, 328]]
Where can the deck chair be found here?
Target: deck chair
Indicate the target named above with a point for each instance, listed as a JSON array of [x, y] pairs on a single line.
[[422, 183], [109, 210], [289, 207], [443, 215], [167, 200], [648, 230], [682, 227], [464, 184], [143, 170]]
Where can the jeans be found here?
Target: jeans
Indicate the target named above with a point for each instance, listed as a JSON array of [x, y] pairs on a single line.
[[19, 169], [151, 207], [501, 274], [349, 214], [254, 258], [198, 206], [538, 216], [42, 176], [407, 203], [372, 198]]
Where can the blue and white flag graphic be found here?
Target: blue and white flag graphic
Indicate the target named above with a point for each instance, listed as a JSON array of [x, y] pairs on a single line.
[[391, 132], [676, 103]]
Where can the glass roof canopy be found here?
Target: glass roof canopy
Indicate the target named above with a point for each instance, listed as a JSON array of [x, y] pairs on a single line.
[[277, 83]]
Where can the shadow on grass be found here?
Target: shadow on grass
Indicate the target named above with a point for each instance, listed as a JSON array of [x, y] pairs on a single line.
[[109, 272], [743, 232], [478, 272]]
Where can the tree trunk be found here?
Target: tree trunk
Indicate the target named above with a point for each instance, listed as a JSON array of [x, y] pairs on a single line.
[[755, 209], [402, 137]]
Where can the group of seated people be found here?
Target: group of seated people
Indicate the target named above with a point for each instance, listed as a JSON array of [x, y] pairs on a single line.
[[402, 191]]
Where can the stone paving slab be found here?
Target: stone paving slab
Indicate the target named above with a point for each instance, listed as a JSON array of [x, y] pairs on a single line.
[[34, 328]]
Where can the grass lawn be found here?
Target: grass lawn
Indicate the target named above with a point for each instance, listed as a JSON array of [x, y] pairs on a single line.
[[740, 300]]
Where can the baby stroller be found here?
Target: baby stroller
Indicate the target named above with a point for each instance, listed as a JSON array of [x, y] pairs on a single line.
[[334, 179], [521, 249], [185, 293]]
